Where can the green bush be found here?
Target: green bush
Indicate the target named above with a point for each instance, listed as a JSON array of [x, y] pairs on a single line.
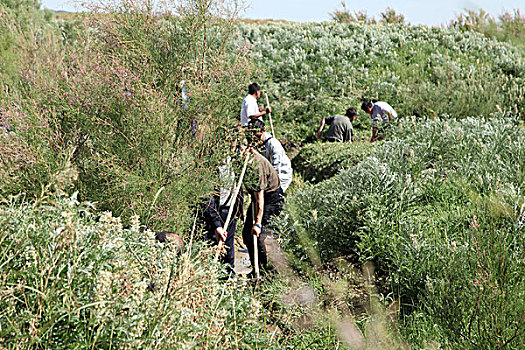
[[105, 98], [73, 278], [509, 27], [21, 21], [320, 161], [319, 69], [440, 211]]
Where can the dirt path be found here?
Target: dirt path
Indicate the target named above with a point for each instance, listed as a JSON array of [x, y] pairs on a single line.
[[242, 259]]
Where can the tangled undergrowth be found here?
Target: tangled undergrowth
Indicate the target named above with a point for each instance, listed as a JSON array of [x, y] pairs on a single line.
[[440, 211], [71, 276]]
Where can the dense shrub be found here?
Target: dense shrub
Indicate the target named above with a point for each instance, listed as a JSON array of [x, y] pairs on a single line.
[[72, 277], [319, 69], [509, 27], [440, 210], [104, 99], [20, 20], [319, 161]]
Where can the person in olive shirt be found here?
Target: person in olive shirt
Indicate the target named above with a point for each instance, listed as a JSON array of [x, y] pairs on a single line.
[[341, 129], [263, 185]]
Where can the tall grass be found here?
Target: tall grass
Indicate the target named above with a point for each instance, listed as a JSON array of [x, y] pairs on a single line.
[[105, 96], [74, 278], [439, 209]]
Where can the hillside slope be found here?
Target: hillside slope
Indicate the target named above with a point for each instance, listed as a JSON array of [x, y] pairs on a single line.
[[317, 69]]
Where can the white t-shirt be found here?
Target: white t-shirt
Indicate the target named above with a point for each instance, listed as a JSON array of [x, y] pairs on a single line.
[[249, 107], [381, 111]]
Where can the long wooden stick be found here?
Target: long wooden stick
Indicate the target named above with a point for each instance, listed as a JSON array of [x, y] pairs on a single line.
[[230, 212], [269, 114], [255, 248]]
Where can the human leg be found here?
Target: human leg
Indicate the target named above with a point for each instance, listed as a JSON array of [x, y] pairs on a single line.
[[247, 236]]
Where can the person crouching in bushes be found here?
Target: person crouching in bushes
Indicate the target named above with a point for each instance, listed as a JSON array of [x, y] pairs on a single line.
[[382, 114], [340, 129], [264, 187], [273, 151], [216, 211]]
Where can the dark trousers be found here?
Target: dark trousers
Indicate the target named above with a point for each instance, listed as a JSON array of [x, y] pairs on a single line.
[[229, 257], [273, 204]]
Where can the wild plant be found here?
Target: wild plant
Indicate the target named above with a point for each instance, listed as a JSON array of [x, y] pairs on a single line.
[[112, 99], [439, 210], [73, 277]]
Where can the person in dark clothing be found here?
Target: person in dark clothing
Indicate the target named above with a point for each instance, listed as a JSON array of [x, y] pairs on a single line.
[[267, 197], [216, 212]]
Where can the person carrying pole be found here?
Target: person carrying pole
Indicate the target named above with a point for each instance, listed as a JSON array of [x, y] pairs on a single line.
[[264, 187], [250, 109], [220, 212], [273, 151]]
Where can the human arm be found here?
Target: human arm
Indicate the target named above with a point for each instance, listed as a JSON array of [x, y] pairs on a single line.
[[374, 133], [321, 126], [253, 111], [262, 112], [220, 234], [349, 134], [213, 218]]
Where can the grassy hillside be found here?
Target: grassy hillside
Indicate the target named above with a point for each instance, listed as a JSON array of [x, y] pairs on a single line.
[[92, 105], [440, 211], [318, 69]]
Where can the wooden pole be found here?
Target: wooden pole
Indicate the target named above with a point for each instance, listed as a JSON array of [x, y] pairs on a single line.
[[269, 114], [255, 248], [230, 212]]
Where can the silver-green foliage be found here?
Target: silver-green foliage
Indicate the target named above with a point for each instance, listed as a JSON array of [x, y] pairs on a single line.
[[71, 278], [440, 209], [319, 161], [318, 69]]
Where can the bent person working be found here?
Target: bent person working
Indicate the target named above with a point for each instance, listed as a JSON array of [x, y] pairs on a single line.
[[381, 114], [340, 127]]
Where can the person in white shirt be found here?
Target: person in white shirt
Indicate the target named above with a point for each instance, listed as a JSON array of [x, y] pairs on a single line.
[[273, 151], [381, 114], [250, 110]]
